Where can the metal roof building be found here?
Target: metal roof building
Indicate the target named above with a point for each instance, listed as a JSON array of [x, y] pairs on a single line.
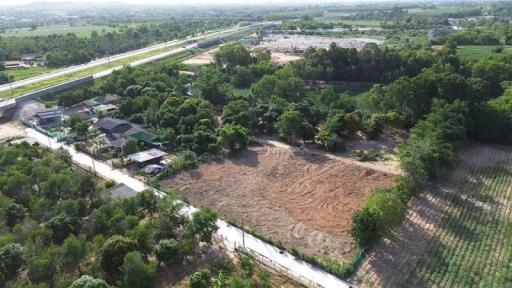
[[148, 155]]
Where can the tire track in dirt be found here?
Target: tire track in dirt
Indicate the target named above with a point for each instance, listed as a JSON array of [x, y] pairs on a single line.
[[304, 200]]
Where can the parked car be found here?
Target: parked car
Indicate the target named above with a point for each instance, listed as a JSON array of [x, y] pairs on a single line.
[[153, 169]]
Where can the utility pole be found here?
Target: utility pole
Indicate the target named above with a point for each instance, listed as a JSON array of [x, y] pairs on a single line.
[[243, 233], [93, 165], [49, 141]]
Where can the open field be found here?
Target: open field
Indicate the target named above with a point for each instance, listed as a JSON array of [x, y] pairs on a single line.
[[19, 74], [287, 43], [457, 233], [478, 52], [304, 200], [80, 31]]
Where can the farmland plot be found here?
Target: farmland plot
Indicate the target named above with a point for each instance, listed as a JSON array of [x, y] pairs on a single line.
[[456, 234]]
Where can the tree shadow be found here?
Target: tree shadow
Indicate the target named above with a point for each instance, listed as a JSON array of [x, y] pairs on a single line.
[[245, 157]]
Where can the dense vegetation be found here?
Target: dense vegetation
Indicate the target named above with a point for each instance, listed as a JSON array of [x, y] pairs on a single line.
[[58, 225]]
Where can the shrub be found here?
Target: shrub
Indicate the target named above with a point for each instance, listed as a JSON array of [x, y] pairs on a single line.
[[109, 183], [201, 279]]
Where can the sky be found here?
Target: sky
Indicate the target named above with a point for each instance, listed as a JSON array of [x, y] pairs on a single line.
[[209, 2]]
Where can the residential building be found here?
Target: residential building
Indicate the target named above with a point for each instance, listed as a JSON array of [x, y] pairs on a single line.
[[118, 131], [48, 118]]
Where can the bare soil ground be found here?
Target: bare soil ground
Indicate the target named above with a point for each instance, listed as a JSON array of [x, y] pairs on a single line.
[[204, 58], [10, 130], [286, 43], [282, 58], [455, 232], [305, 200]]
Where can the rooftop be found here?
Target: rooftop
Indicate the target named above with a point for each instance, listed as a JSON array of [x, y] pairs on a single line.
[[147, 155], [7, 104], [122, 191], [49, 113]]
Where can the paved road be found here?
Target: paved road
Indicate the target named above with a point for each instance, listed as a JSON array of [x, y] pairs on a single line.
[[106, 60], [230, 235]]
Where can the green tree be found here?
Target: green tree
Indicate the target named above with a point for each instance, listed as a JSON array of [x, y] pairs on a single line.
[[332, 142], [290, 124], [365, 228], [87, 281], [137, 274], [12, 258], [130, 146], [62, 225], [148, 200], [43, 267], [168, 251], [231, 55], [144, 235], [211, 86], [113, 251], [233, 136], [15, 213], [204, 224], [74, 250]]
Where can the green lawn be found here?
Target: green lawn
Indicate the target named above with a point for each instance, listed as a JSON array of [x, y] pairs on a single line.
[[81, 31]]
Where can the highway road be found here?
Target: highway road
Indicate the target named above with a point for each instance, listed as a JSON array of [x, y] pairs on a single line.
[[106, 60], [230, 235]]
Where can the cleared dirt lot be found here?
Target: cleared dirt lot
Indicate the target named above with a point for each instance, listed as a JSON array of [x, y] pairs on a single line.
[[456, 233], [204, 58], [304, 200], [290, 43], [9, 130]]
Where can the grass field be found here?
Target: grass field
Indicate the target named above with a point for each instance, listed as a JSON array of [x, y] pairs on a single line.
[[19, 74], [457, 233], [81, 31], [441, 10], [468, 53]]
